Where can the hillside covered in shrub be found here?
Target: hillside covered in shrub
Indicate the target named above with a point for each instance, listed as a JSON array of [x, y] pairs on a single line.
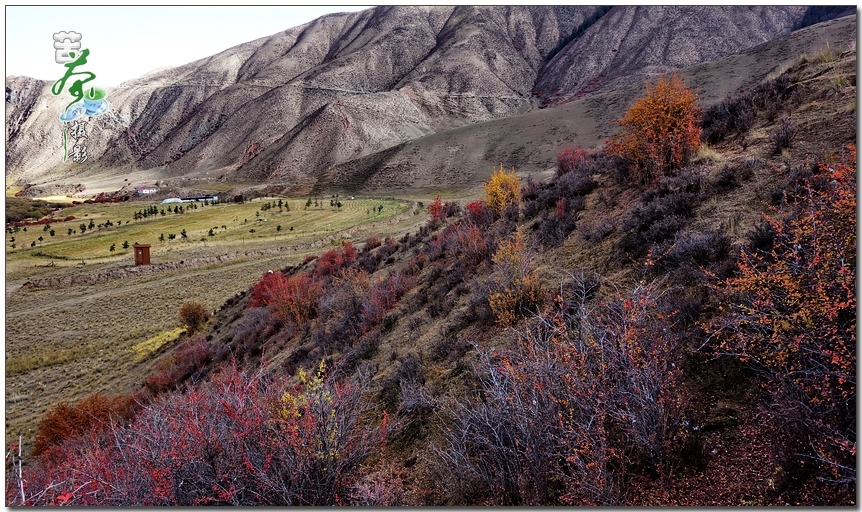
[[669, 320]]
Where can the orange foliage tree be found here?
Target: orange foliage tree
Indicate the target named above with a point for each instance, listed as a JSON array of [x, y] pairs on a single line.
[[502, 189], [792, 314], [659, 132]]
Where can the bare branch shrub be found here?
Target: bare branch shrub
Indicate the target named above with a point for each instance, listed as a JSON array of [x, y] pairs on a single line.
[[590, 393]]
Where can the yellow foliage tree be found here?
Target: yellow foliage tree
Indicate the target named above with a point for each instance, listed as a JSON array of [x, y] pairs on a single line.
[[503, 189]]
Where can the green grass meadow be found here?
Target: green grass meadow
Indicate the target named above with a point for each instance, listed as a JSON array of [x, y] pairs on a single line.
[[231, 224]]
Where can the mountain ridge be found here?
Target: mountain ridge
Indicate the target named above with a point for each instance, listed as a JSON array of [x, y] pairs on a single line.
[[294, 106]]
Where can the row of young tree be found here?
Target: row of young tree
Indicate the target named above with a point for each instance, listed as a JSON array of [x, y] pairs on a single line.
[[153, 210]]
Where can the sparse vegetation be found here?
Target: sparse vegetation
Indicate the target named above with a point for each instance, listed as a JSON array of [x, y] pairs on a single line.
[[22, 208], [782, 137]]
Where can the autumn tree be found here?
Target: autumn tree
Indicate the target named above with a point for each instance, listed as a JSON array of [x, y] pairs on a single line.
[[659, 132], [435, 209], [791, 314], [502, 189]]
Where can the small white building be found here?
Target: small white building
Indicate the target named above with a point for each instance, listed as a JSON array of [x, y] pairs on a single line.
[[146, 190], [192, 199]]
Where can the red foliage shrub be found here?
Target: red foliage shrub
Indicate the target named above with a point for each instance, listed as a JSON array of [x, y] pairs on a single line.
[[330, 262], [290, 298], [295, 299], [64, 421], [792, 315], [441, 211], [572, 159], [239, 440], [436, 209], [479, 213], [475, 208], [261, 294]]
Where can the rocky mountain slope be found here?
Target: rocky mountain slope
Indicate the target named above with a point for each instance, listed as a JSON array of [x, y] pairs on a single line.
[[467, 155], [290, 107]]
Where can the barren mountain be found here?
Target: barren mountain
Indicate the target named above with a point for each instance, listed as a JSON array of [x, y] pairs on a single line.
[[467, 155], [309, 102]]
